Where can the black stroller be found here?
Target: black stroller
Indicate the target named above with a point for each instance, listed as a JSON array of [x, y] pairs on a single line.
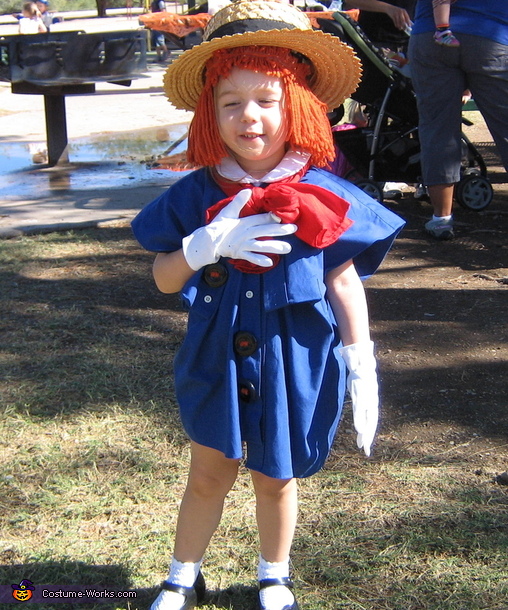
[[388, 148]]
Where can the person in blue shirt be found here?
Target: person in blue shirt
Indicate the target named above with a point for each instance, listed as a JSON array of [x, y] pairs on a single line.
[[47, 17], [440, 76], [158, 40], [268, 250]]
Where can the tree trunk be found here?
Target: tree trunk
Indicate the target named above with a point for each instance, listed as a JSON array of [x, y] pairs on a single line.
[[101, 7]]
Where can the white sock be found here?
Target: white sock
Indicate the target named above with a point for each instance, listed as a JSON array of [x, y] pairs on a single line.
[[183, 573], [180, 573], [442, 217], [278, 596]]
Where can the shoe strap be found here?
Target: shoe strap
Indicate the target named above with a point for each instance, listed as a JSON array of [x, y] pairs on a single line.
[[169, 586], [273, 582]]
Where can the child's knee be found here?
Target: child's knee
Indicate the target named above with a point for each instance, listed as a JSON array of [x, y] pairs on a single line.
[[208, 483], [270, 487]]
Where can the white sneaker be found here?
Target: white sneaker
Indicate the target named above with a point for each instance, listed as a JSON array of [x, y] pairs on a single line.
[[440, 228]]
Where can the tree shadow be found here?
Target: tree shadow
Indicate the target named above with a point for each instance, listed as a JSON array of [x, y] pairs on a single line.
[[235, 597], [76, 576], [91, 317]]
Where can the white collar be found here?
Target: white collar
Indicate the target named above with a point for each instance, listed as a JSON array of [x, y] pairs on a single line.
[[291, 164]]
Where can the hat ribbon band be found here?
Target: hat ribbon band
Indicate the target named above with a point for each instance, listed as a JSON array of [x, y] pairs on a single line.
[[243, 26]]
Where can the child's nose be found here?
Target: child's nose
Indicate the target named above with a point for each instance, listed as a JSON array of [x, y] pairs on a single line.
[[250, 112]]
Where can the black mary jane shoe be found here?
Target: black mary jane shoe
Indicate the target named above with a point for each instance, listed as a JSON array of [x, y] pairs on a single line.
[[272, 582], [194, 596]]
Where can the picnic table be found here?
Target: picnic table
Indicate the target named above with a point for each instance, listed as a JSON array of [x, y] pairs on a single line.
[[57, 64]]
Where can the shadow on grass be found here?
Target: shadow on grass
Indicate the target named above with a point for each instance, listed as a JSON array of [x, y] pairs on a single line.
[[236, 597], [88, 326], [77, 575], [81, 576], [448, 399]]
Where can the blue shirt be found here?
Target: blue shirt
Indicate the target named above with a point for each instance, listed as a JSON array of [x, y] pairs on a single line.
[[488, 18], [295, 373]]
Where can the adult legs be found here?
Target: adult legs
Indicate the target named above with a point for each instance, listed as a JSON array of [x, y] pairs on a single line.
[[439, 83], [486, 65], [441, 197], [159, 42]]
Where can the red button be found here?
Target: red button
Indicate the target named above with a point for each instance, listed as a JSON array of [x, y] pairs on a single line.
[[245, 343], [215, 275], [247, 391]]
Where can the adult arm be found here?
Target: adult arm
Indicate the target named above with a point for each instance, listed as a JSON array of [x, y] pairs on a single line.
[[398, 15]]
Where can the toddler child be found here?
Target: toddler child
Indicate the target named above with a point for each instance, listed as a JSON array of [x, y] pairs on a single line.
[[268, 251], [31, 20], [443, 35]]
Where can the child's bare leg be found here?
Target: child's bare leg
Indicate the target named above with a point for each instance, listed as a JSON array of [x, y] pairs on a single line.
[[443, 35], [211, 476], [441, 14], [276, 513]]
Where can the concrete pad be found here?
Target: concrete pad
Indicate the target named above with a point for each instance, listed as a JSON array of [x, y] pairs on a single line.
[[112, 134]]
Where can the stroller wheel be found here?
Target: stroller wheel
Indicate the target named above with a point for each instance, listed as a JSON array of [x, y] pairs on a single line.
[[370, 187], [474, 192], [472, 171]]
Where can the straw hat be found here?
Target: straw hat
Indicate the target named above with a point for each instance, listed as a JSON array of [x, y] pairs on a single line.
[[336, 69]]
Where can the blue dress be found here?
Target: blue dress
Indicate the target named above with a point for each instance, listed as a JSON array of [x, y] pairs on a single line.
[[259, 367]]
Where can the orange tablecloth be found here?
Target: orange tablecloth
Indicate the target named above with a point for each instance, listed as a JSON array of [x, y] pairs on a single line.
[[182, 25], [179, 25], [313, 15]]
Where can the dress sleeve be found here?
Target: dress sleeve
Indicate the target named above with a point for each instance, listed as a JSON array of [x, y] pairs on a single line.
[[372, 233], [163, 223]]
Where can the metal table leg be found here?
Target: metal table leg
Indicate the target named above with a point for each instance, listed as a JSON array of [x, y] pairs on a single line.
[[56, 129]]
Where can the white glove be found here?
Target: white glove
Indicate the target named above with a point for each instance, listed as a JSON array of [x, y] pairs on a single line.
[[234, 237], [363, 388]]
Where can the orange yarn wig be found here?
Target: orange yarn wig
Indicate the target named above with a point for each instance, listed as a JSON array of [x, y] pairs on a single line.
[[308, 126]]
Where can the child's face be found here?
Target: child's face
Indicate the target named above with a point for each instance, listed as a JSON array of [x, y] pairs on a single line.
[[251, 119]]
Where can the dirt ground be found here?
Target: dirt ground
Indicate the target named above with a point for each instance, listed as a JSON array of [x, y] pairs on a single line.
[[439, 315]]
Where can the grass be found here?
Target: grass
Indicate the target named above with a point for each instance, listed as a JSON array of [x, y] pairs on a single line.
[[93, 460]]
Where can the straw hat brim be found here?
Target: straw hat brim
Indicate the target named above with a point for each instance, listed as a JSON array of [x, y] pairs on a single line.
[[336, 69]]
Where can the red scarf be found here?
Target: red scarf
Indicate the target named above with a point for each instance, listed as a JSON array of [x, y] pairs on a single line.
[[319, 214]]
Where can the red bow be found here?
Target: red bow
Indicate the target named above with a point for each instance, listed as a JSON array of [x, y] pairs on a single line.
[[319, 214]]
